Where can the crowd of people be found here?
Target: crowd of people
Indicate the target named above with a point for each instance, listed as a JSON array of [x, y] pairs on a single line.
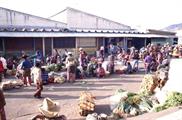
[[85, 65]]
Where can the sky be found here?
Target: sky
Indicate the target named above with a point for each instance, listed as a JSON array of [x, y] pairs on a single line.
[[153, 14]]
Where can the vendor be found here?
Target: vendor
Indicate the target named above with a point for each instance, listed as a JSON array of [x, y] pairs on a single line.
[[2, 104], [71, 68]]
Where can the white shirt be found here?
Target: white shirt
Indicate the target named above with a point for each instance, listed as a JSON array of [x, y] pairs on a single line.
[[37, 74], [4, 62]]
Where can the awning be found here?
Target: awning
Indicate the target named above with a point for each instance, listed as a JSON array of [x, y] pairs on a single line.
[[81, 34]]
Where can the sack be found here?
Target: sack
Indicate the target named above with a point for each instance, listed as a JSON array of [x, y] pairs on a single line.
[[1, 67]]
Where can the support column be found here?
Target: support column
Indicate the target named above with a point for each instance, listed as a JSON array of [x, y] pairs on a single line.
[[104, 42], [125, 43], [3, 43], [145, 42], [43, 46], [34, 45], [52, 44], [76, 51]]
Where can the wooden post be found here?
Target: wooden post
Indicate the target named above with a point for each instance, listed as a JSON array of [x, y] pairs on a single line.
[[125, 43], [34, 45], [76, 51], [3, 45], [43, 46], [145, 42], [52, 44]]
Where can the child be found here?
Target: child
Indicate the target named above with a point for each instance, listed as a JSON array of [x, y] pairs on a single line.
[[37, 75], [100, 71]]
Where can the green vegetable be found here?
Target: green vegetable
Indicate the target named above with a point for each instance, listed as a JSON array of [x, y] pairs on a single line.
[[119, 91], [173, 99]]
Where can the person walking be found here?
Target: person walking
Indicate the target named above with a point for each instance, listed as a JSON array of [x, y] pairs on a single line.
[[37, 75], [26, 66]]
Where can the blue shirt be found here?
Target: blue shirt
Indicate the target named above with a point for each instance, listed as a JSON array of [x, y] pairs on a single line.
[[26, 64]]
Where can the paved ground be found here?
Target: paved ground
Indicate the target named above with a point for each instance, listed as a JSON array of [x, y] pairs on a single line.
[[22, 106]]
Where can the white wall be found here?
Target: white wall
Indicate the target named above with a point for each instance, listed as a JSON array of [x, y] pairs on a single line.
[[10, 17], [78, 19], [86, 42], [179, 34]]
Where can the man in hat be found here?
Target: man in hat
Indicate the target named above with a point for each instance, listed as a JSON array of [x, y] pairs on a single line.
[[26, 67], [2, 104]]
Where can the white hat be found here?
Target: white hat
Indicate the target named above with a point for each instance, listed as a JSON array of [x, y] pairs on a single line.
[[49, 108], [80, 49], [69, 53]]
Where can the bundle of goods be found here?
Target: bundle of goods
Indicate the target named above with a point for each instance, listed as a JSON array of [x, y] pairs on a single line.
[[121, 70], [173, 99], [59, 79], [12, 84], [86, 103], [148, 85], [95, 116], [11, 72], [130, 104]]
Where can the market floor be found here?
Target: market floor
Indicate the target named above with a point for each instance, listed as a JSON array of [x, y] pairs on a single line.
[[22, 106]]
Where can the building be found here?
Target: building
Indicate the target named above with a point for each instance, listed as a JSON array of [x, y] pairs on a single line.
[[76, 19], [69, 29]]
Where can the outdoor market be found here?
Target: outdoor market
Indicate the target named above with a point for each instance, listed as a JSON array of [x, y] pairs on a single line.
[[159, 88]]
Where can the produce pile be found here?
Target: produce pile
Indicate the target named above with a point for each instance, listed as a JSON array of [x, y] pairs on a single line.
[[148, 85], [95, 116], [173, 99], [86, 103], [12, 84], [11, 72], [54, 67], [131, 104], [59, 79]]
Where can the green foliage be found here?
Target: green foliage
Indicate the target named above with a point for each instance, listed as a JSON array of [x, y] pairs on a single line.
[[173, 99], [53, 67]]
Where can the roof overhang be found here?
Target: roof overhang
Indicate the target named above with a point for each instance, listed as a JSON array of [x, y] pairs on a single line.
[[77, 34]]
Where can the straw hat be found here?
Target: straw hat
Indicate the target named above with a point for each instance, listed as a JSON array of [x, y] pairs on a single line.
[[49, 108]]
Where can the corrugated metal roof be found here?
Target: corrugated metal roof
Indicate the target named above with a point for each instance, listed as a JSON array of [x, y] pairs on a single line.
[[64, 32], [79, 34]]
